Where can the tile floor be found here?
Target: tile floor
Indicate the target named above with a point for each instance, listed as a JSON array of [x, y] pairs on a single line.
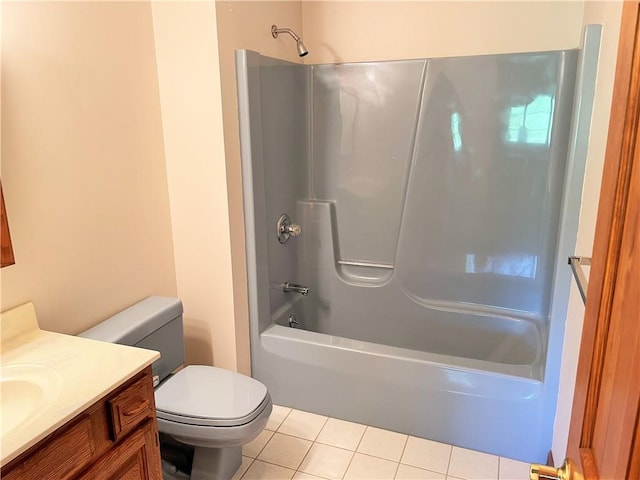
[[304, 446]]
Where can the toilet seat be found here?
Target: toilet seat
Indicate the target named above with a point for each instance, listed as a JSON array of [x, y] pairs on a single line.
[[207, 396]]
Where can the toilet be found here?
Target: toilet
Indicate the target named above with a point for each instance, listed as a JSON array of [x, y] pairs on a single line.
[[212, 410]]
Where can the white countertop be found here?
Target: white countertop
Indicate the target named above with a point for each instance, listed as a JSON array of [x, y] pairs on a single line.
[[71, 372]]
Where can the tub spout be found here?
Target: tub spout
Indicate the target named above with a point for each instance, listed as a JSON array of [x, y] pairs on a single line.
[[294, 287]]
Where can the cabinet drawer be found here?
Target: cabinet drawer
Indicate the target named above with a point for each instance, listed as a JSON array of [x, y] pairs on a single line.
[[131, 407]]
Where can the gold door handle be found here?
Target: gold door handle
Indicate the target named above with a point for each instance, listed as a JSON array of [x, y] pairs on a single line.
[[566, 472]]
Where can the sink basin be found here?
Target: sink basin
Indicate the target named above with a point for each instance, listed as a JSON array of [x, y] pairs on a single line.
[[20, 400], [25, 391]]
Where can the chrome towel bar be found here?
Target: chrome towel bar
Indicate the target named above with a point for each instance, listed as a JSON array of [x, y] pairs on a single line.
[[578, 273]]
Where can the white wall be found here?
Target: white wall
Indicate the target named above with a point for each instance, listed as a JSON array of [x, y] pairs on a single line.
[[83, 168], [607, 13]]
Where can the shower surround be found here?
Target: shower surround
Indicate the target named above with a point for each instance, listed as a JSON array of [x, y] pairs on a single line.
[[430, 198]]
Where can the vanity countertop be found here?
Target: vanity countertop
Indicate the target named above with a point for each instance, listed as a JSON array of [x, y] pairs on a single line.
[[48, 378]]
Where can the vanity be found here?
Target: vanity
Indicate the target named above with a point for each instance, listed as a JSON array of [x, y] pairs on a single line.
[[74, 408]]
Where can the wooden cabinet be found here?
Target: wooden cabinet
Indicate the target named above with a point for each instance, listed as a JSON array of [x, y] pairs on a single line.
[[116, 438], [6, 253]]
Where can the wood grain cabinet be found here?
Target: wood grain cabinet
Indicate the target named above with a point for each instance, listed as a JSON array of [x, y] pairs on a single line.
[[116, 438]]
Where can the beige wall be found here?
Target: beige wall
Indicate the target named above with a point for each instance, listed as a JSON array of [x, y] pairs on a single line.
[[243, 24], [372, 30], [82, 161], [189, 77], [607, 13]]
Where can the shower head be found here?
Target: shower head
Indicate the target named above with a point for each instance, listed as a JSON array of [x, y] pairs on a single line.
[[302, 50]]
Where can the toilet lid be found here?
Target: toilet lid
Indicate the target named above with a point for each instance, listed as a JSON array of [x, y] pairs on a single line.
[[210, 396]]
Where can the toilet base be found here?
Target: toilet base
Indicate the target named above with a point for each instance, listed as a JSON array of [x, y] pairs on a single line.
[[215, 463]]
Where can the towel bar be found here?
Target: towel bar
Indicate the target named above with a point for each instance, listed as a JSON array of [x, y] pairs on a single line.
[[581, 280]]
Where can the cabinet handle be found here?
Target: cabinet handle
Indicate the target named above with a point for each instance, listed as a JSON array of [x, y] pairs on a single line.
[[140, 408]]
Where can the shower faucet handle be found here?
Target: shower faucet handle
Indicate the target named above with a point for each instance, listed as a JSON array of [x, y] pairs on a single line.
[[285, 228], [294, 229]]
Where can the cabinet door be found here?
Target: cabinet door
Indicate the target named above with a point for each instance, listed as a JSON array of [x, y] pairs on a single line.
[[133, 459], [64, 455]]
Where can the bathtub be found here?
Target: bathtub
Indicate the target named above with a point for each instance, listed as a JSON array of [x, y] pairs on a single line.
[[470, 402], [455, 351]]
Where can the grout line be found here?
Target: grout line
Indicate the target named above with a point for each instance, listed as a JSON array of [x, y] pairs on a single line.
[[404, 447], [290, 436], [274, 464], [349, 464], [311, 475], [326, 419], [306, 473], [315, 442], [305, 456], [265, 443], [250, 463], [449, 462], [380, 458], [395, 474], [284, 418], [293, 436], [353, 455], [363, 434]]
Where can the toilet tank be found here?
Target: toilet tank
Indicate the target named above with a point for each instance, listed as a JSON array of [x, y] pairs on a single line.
[[154, 323]]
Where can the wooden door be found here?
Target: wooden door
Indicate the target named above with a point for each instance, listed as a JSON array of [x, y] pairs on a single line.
[[604, 438]]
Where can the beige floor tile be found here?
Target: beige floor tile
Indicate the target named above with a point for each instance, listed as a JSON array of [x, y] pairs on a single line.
[[382, 443], [472, 465], [339, 433], [278, 414], [253, 448], [306, 476], [285, 450], [326, 461], [302, 424], [244, 466], [427, 454], [407, 472], [513, 469], [266, 471], [365, 467]]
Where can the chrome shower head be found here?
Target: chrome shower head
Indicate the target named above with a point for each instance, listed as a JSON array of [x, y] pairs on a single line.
[[302, 50]]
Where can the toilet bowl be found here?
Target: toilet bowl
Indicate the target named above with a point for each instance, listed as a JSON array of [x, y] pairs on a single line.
[[212, 410], [216, 411]]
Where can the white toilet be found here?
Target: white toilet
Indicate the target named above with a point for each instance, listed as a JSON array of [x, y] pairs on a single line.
[[213, 410]]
